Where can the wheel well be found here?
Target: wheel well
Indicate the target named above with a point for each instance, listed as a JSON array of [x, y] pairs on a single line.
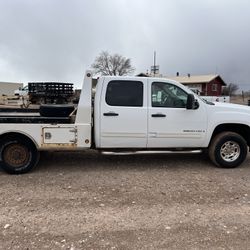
[[19, 135], [240, 129]]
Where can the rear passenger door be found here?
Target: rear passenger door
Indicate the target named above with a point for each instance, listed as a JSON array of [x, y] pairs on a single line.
[[124, 114]]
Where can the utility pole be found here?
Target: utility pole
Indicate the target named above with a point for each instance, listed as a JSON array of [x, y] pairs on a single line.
[[154, 62], [155, 68]]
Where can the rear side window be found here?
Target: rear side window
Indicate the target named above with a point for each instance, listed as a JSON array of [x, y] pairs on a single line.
[[125, 93]]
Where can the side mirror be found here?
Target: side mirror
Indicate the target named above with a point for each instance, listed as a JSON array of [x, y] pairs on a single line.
[[191, 102]]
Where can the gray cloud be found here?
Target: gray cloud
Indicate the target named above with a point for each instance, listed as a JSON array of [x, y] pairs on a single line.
[[59, 39]]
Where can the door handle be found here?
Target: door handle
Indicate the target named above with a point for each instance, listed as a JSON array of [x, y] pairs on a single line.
[[110, 114], [158, 115]]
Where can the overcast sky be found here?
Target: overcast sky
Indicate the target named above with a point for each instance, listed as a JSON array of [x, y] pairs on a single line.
[[57, 40]]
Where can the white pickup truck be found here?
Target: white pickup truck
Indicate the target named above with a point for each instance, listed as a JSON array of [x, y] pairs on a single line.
[[22, 91], [129, 113]]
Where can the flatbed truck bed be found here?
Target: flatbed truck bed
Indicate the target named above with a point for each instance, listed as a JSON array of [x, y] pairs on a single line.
[[11, 115]]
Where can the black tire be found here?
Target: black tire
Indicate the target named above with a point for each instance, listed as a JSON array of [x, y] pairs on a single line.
[[228, 150], [56, 110], [18, 155]]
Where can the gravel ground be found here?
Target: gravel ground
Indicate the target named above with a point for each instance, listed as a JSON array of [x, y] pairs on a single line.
[[92, 201]]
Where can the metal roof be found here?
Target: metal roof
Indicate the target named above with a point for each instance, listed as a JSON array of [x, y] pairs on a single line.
[[195, 79]]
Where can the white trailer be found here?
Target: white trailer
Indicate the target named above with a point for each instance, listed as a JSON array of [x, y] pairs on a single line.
[[211, 98]]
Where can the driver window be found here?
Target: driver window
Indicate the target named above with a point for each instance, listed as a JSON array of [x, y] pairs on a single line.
[[168, 95]]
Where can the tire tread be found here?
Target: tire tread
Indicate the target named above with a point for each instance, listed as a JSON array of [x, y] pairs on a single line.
[[216, 140]]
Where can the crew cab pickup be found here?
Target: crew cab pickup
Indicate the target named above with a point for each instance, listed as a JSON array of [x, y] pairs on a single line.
[[129, 113]]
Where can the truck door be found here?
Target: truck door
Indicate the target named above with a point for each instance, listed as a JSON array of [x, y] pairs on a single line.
[[170, 124], [123, 114]]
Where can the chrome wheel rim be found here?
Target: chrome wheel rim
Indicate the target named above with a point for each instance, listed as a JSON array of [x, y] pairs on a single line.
[[230, 151]]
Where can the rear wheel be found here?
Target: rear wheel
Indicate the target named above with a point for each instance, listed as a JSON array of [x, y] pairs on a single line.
[[228, 150], [18, 155]]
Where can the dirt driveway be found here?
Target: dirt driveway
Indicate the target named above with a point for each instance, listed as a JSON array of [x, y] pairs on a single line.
[[92, 201]]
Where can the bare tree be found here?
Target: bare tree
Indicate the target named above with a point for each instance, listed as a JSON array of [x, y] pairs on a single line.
[[107, 64], [230, 89]]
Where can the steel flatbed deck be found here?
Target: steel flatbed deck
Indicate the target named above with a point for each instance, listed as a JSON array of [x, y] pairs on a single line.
[[18, 115]]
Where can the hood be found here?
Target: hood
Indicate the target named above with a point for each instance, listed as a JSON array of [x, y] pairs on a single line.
[[229, 113], [230, 107]]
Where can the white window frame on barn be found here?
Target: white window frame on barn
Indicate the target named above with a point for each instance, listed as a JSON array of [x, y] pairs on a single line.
[[214, 87]]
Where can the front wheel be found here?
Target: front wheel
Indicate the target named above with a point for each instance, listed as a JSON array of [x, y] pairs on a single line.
[[228, 150], [18, 155]]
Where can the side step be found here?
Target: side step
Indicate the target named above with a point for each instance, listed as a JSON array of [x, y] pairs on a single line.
[[140, 152]]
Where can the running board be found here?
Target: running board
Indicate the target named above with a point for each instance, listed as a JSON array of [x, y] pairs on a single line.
[[150, 152]]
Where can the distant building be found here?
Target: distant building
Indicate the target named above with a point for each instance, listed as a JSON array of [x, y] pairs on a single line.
[[8, 88], [208, 85]]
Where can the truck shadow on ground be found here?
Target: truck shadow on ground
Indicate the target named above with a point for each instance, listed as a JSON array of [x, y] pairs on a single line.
[[93, 161]]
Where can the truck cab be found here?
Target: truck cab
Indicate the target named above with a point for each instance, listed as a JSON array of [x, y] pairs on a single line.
[[147, 113]]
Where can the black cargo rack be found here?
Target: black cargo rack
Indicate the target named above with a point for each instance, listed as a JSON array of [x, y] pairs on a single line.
[[51, 89]]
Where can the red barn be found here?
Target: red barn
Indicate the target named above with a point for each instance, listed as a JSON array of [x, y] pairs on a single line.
[[209, 85]]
